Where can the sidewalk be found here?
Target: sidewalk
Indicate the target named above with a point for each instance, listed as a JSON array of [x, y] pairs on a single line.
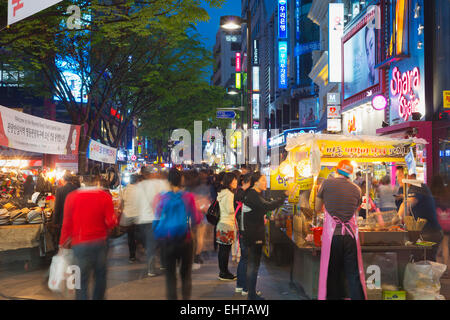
[[130, 281]]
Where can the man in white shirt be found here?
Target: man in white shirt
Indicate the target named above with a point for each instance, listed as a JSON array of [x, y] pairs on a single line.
[[147, 190]]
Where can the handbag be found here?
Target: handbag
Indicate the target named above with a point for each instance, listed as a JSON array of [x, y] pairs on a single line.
[[58, 269], [213, 213]]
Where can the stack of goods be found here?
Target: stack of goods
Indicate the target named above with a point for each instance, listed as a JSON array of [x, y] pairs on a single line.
[[414, 227], [19, 217], [35, 216], [4, 217]]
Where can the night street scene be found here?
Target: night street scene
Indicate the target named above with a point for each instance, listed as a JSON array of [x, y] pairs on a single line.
[[225, 151]]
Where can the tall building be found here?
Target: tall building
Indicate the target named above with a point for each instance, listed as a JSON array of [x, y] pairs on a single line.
[[228, 43]]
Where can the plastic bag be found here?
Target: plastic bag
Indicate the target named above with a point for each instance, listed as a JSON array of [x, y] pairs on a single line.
[[421, 280], [58, 270]]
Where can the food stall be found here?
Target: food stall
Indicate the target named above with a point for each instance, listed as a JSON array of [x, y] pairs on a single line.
[[24, 231], [386, 248]]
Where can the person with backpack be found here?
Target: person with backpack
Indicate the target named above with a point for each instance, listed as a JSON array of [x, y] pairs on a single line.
[[176, 215], [227, 225], [254, 209], [241, 283]]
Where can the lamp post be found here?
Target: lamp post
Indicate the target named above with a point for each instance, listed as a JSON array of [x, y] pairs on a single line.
[[233, 23]]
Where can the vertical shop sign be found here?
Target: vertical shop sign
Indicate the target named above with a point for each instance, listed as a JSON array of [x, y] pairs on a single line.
[[255, 52], [336, 31], [238, 81], [282, 19], [238, 62], [282, 64], [256, 78]]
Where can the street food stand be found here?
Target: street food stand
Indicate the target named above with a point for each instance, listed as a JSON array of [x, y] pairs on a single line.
[[386, 248]]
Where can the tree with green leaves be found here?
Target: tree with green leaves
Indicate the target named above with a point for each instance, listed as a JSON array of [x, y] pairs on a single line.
[[119, 56]]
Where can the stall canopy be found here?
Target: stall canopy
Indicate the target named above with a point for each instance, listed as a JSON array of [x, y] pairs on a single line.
[[333, 148]]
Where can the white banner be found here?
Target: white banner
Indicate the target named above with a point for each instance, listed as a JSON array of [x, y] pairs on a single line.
[[102, 153], [29, 133], [21, 9], [335, 33]]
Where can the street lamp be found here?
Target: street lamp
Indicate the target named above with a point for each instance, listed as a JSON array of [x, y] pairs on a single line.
[[232, 23]]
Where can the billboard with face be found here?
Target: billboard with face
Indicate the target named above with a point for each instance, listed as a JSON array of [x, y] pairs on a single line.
[[360, 60]]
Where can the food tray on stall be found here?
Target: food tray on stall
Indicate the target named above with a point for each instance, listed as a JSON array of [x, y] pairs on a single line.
[[382, 237]]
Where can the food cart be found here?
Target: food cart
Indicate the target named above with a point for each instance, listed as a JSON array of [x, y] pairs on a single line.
[[386, 248]]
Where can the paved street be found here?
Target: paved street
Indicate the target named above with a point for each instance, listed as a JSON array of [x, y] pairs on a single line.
[[130, 281]]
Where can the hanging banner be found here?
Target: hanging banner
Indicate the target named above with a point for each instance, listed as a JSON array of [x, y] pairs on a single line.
[[21, 9], [29, 133], [102, 153]]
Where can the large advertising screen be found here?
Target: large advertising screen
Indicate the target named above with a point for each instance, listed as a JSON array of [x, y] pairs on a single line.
[[360, 59]]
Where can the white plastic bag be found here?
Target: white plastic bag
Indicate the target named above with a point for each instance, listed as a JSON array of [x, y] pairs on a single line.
[[58, 270], [421, 280]]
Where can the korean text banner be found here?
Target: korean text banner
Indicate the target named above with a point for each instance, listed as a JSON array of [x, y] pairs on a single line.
[[21, 9], [29, 133], [333, 151], [100, 152]]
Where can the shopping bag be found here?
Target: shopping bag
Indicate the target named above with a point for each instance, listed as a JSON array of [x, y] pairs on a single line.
[[421, 280], [58, 270]]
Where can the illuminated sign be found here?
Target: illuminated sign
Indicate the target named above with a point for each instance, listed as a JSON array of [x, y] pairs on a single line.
[[297, 20], [238, 62], [334, 125], [446, 99], [336, 31], [282, 64], [282, 19], [256, 79], [238, 81], [333, 111], [280, 140], [403, 87], [255, 53], [255, 106], [379, 102]]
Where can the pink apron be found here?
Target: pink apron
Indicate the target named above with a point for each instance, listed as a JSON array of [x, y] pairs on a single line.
[[329, 225]]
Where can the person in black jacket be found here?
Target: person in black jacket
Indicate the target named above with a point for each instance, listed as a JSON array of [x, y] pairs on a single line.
[[28, 187], [254, 209], [241, 284], [60, 199]]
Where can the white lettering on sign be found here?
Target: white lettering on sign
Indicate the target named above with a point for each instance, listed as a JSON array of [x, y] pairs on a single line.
[[374, 279], [404, 85]]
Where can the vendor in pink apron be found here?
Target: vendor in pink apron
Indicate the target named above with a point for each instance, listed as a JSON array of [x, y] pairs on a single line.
[[340, 260]]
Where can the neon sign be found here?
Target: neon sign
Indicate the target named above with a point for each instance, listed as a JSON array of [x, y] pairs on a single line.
[[282, 19], [404, 86], [379, 102], [282, 64], [238, 62]]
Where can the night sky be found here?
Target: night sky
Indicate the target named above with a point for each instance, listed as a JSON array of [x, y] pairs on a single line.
[[209, 29]]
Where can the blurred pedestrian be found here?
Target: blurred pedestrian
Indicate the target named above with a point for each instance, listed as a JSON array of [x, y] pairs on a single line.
[[28, 187], [399, 196], [60, 199], [130, 213], [177, 215], [359, 179], [151, 186], [88, 217], [441, 196], [216, 188], [235, 250], [241, 284], [227, 224], [386, 195], [422, 205], [255, 208]]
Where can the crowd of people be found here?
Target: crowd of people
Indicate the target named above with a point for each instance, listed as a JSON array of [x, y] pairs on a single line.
[[166, 213]]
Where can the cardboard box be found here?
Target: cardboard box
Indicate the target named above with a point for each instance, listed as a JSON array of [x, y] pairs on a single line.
[[394, 295]]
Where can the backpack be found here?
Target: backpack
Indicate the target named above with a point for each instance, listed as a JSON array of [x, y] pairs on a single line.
[[213, 214], [174, 219]]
